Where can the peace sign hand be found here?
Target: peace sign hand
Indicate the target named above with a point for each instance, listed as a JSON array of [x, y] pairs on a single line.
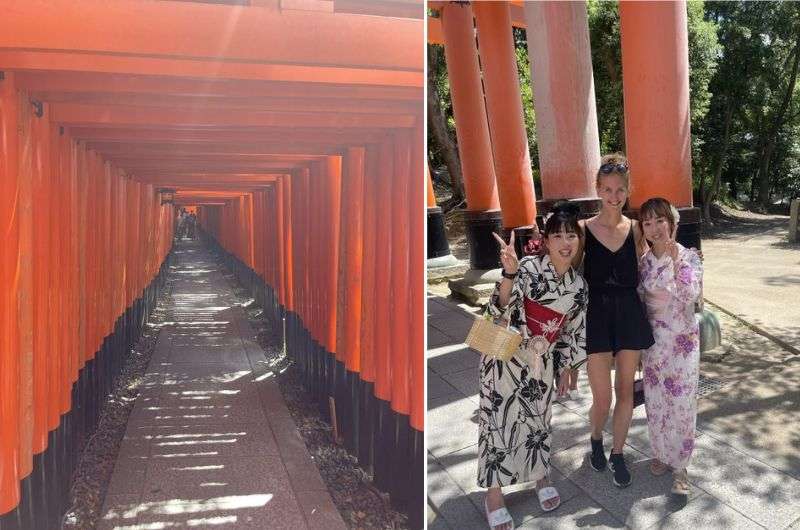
[[508, 256], [672, 245]]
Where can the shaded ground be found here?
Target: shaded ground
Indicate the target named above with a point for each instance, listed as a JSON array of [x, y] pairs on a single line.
[[361, 505], [753, 273], [746, 467], [209, 442], [745, 471], [93, 472]]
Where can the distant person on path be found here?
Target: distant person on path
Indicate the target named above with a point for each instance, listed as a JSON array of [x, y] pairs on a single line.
[[545, 299], [191, 225], [181, 231], [670, 284], [617, 328]]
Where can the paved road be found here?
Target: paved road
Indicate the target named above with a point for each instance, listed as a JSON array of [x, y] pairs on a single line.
[[752, 271]]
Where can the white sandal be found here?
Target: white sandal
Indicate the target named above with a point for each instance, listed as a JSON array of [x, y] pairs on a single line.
[[548, 493], [498, 517]]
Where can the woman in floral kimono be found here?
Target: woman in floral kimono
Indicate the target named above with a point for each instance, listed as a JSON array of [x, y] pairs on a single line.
[[546, 301], [671, 276]]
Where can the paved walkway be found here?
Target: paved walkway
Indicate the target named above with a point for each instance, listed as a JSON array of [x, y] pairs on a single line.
[[210, 443], [745, 472], [753, 271]]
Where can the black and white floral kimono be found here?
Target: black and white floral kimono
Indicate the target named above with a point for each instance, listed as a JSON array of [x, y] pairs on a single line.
[[515, 396]]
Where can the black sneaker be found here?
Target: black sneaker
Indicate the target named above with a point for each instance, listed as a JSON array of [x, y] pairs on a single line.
[[598, 456], [622, 477]]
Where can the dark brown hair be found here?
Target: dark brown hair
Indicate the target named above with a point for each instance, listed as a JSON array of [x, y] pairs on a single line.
[[659, 207], [563, 216]]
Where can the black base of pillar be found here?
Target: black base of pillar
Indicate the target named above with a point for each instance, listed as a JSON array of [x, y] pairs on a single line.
[[45, 492], [438, 245], [483, 248], [366, 425], [689, 227]]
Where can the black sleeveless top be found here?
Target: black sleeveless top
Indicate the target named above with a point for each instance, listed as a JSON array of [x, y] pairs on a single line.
[[606, 270]]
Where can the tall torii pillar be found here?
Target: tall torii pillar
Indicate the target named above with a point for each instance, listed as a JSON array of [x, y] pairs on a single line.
[[655, 73], [512, 164], [655, 66], [482, 216], [564, 99]]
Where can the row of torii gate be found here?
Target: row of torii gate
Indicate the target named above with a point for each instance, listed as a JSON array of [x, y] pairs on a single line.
[[487, 107], [294, 127]]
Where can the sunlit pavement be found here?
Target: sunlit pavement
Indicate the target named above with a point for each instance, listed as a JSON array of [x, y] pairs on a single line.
[[210, 443], [745, 471]]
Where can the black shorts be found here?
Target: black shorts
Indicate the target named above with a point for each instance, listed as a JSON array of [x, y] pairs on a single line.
[[615, 320]]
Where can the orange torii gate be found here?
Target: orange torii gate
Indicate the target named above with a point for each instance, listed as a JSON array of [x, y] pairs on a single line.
[[486, 100], [295, 128]]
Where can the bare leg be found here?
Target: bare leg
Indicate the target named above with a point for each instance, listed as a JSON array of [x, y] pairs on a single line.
[[494, 501], [626, 363], [573, 379], [599, 371]]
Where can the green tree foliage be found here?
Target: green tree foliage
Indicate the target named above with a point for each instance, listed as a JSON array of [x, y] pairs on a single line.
[[754, 96]]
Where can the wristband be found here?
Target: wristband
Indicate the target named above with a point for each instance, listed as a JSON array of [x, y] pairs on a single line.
[[508, 275]]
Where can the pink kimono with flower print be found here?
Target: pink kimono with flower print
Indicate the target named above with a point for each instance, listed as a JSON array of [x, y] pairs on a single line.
[[671, 366]]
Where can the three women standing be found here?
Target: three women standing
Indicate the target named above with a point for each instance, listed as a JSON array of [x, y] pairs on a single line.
[[611, 329]]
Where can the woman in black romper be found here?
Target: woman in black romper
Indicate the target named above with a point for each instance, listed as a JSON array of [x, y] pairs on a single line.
[[617, 327]]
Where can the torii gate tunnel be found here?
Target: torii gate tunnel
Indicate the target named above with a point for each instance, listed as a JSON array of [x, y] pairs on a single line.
[[295, 128]]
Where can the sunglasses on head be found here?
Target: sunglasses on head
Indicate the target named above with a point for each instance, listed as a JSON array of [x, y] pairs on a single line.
[[613, 168]]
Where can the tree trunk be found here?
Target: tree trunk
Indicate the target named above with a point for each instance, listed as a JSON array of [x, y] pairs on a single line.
[[712, 191], [772, 138], [438, 126]]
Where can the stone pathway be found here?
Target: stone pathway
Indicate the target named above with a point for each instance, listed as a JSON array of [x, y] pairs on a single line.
[[745, 472], [210, 443], [752, 271]]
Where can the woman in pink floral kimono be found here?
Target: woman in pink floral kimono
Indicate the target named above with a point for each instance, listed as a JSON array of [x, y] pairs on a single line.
[[670, 280]]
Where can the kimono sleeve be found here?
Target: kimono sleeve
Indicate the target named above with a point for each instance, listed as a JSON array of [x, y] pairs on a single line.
[[688, 277], [515, 310], [570, 351]]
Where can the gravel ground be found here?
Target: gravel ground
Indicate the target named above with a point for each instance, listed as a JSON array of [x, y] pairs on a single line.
[[93, 472], [361, 505]]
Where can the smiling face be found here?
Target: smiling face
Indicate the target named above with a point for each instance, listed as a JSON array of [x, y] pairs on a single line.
[[612, 189], [656, 228], [562, 245]]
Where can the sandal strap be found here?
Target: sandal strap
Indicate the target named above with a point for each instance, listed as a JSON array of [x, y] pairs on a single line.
[[547, 493], [499, 517]]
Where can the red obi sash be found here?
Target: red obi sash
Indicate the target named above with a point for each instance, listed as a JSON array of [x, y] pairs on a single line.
[[544, 324]]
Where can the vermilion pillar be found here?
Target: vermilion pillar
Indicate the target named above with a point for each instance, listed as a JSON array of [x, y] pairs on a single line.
[[383, 264], [655, 68], [333, 211], [400, 274], [469, 111], [563, 94], [512, 164], [369, 290], [9, 342], [472, 129]]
